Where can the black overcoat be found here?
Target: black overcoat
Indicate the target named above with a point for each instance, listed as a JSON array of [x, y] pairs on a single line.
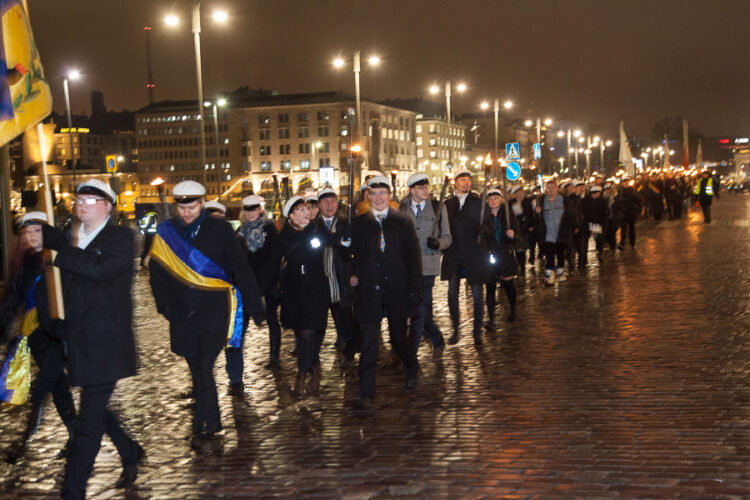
[[402, 262], [98, 307], [305, 296], [464, 249], [202, 316]]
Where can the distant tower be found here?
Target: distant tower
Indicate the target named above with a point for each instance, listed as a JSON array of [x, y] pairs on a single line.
[[149, 75], [97, 103]]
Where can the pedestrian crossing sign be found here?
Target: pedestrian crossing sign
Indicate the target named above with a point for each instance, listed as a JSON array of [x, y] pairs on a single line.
[[537, 150], [511, 151]]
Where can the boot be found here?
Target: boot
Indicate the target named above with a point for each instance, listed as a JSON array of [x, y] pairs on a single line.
[[560, 275], [65, 451], [32, 424], [314, 388], [299, 385]]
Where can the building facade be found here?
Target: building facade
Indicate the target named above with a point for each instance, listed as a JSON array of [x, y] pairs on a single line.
[[306, 137]]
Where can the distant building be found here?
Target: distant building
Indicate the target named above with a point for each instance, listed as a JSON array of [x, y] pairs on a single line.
[[304, 136]]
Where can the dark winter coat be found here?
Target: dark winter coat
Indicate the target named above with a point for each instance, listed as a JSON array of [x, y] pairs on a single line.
[[201, 317], [305, 296], [503, 249], [96, 284], [464, 251], [393, 277], [596, 211], [342, 267]]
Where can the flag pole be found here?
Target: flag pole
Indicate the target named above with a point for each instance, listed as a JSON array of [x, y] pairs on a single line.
[[51, 272]]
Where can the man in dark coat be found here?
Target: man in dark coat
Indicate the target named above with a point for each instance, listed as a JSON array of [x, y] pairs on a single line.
[[97, 272], [465, 258], [338, 272], [198, 317], [387, 274], [596, 212], [705, 190], [628, 206]]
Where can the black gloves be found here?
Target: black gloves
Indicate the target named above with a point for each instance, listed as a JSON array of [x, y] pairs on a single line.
[[433, 243], [54, 239]]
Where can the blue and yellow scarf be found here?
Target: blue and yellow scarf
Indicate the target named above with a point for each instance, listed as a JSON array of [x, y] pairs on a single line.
[[15, 377], [189, 265]]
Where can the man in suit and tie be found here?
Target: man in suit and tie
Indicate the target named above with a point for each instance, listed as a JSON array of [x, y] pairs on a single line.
[[387, 274]]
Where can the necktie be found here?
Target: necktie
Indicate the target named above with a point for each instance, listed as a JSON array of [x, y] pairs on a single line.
[[328, 224], [419, 209], [382, 236]]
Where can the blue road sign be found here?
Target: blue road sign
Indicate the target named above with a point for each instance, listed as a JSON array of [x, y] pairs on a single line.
[[513, 171], [537, 150], [512, 151]]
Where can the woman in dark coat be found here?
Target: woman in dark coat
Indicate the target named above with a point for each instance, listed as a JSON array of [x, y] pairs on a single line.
[[502, 256], [259, 237], [28, 285], [305, 296]]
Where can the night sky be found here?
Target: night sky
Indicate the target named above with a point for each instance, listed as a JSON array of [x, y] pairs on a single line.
[[590, 61]]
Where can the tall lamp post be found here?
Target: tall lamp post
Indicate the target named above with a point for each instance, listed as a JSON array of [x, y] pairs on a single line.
[[218, 102], [356, 68], [547, 123], [172, 20], [434, 89], [496, 109], [72, 75]]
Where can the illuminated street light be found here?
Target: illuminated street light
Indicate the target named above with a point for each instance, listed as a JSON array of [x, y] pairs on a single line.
[[338, 62], [485, 105], [374, 60], [576, 133], [73, 74], [172, 20], [548, 122], [528, 123], [561, 133], [434, 89], [508, 104], [461, 87]]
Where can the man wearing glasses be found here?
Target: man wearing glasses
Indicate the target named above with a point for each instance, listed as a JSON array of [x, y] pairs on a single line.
[[97, 271], [423, 211]]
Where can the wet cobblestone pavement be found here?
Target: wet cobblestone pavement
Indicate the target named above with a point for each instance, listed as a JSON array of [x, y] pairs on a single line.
[[630, 379]]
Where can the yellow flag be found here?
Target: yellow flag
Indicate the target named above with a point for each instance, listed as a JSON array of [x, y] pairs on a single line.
[[25, 97]]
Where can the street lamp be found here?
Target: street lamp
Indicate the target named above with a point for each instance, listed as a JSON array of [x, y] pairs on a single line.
[[434, 89], [218, 102], [73, 74], [173, 20], [338, 62]]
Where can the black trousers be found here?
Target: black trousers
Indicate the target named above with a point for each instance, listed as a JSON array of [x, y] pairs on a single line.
[[454, 283], [343, 319], [206, 412], [51, 378], [402, 342], [627, 226], [706, 212], [552, 251], [309, 349], [579, 246], [94, 420]]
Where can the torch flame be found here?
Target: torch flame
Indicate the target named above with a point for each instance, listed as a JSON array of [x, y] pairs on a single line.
[[356, 148], [488, 159], [158, 181]]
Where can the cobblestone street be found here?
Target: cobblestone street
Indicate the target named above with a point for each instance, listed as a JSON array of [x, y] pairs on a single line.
[[631, 379]]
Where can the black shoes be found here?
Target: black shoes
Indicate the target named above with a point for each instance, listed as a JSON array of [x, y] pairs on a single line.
[[237, 389], [437, 351], [273, 364], [130, 472], [454, 338], [478, 339], [411, 383], [512, 315], [362, 405]]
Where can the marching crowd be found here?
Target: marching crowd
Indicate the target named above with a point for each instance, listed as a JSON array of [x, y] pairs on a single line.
[[209, 281]]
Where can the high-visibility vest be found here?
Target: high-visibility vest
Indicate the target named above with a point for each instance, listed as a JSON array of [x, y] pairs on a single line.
[[709, 187]]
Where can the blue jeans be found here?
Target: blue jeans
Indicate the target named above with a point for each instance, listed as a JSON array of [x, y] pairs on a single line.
[[425, 321]]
